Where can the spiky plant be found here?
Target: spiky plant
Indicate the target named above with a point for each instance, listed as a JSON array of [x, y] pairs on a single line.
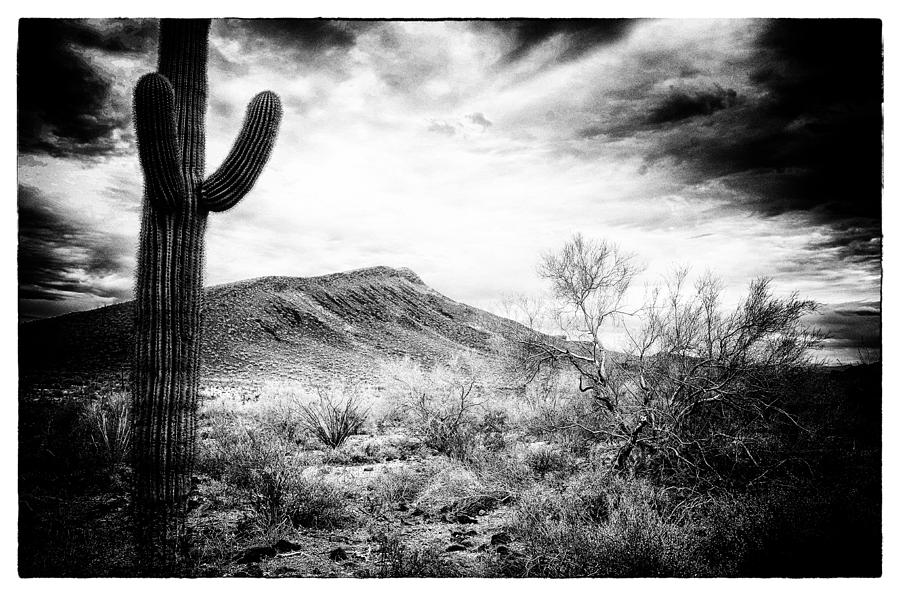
[[169, 114]]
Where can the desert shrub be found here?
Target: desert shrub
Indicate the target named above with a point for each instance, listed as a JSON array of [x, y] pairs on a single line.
[[369, 450], [317, 503], [223, 440], [547, 459], [110, 429], [212, 549], [272, 492], [401, 485], [380, 450], [448, 486], [552, 411], [597, 527], [267, 471], [446, 423], [441, 404], [502, 471], [284, 415], [459, 488], [333, 417], [493, 427], [723, 529], [56, 451], [385, 412], [398, 559]]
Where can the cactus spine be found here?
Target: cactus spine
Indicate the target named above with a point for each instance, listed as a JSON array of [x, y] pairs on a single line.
[[169, 114]]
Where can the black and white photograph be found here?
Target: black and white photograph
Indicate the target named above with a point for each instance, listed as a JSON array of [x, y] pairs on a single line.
[[448, 297]]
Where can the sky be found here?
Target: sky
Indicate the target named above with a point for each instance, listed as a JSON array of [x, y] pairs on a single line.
[[465, 150]]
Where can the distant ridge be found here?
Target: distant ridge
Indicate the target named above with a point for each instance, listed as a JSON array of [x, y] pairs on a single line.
[[342, 324]]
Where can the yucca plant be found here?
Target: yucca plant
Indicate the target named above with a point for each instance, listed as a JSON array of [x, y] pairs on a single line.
[[110, 423]]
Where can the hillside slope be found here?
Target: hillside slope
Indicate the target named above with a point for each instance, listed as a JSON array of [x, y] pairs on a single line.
[[313, 328]]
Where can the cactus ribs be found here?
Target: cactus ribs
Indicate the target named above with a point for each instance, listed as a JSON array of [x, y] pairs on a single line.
[[169, 109]]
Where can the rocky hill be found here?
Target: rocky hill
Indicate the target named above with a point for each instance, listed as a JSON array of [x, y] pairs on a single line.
[[344, 324]]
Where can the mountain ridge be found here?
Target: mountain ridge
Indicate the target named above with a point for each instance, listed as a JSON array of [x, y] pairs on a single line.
[[343, 324]]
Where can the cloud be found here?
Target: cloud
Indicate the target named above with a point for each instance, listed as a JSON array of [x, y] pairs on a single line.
[[442, 127], [66, 105], [637, 140], [479, 119], [778, 117], [61, 257], [681, 104], [810, 138], [307, 35], [577, 36], [239, 43], [474, 123], [851, 328]]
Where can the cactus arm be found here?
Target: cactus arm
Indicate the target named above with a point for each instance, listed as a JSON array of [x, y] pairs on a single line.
[[251, 150], [157, 139]]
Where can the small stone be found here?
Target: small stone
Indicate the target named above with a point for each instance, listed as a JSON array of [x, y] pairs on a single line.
[[500, 538], [368, 469], [255, 554], [286, 546], [338, 554]]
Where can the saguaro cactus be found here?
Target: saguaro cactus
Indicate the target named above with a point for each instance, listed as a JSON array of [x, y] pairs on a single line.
[[169, 111]]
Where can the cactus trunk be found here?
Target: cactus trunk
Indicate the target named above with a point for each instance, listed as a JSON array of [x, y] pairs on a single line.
[[170, 109]]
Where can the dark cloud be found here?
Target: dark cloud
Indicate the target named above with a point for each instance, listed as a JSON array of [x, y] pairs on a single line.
[[812, 141], [849, 326], [579, 35], [804, 135], [856, 240], [682, 104], [310, 36], [60, 257], [65, 104]]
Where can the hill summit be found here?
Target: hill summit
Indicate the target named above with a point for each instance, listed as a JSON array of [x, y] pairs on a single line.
[[343, 324]]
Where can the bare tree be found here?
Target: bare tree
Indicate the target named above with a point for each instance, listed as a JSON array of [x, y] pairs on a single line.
[[699, 385], [713, 382], [589, 281]]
